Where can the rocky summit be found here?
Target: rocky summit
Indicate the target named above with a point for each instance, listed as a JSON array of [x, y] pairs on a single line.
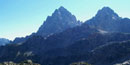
[[106, 19], [60, 20]]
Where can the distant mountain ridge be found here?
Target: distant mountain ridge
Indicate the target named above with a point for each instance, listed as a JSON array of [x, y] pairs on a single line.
[[22, 39]]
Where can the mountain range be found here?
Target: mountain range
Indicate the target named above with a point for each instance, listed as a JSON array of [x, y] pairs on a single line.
[[62, 40]]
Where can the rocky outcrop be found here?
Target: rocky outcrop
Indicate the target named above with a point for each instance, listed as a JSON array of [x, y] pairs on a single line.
[[124, 63], [80, 63], [27, 62]]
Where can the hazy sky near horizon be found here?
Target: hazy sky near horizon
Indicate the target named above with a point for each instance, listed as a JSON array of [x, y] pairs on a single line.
[[19, 18]]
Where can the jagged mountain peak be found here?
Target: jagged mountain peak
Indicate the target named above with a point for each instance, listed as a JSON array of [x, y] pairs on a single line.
[[107, 9], [60, 20], [61, 8], [106, 19], [107, 12], [61, 11]]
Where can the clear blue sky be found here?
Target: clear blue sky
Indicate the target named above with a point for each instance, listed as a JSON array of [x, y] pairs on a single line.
[[19, 18]]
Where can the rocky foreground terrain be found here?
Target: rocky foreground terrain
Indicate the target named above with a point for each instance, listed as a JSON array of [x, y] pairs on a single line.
[[27, 62]]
